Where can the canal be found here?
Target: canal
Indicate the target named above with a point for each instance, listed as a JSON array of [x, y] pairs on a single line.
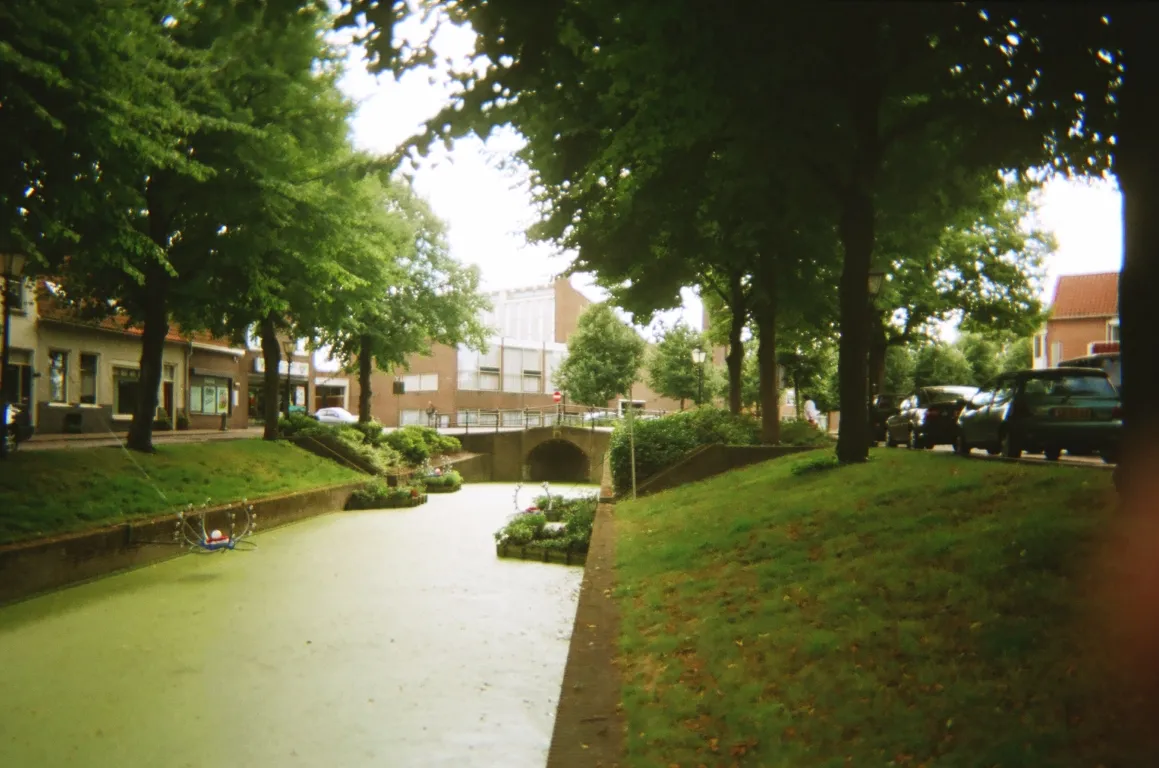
[[387, 638]]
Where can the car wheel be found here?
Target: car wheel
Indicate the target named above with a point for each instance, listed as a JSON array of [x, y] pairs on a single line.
[[1010, 448], [1052, 454], [960, 446], [889, 441]]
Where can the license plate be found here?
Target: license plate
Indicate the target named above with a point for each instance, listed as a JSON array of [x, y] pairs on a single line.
[[1072, 414]]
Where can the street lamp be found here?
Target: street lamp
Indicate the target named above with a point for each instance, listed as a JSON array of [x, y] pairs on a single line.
[[698, 356], [288, 346], [11, 268]]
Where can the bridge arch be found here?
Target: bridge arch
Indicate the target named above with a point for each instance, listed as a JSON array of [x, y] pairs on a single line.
[[558, 461]]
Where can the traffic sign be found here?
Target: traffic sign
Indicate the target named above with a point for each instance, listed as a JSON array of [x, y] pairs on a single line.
[[556, 396]]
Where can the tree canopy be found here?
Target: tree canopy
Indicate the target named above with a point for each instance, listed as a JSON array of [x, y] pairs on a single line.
[[604, 356]]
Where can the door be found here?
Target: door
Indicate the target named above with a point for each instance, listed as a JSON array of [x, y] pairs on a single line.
[[896, 426], [995, 415], [973, 415]]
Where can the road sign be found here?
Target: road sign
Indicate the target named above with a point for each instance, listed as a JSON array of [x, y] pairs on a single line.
[[556, 396]]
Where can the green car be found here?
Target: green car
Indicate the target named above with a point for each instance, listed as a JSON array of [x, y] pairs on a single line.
[[1045, 411]]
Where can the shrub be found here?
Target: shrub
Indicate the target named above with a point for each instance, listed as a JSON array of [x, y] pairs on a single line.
[[662, 442], [418, 444], [803, 433], [524, 529], [381, 458], [378, 495], [183, 420], [371, 432], [578, 515], [450, 479]]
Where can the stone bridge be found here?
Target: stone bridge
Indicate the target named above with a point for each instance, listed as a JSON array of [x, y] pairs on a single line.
[[555, 454]]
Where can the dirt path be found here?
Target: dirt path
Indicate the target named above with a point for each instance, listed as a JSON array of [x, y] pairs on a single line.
[[589, 727]]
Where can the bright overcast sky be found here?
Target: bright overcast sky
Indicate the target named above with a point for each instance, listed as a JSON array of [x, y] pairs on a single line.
[[488, 208]]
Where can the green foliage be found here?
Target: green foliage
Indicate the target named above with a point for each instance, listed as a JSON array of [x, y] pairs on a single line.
[[450, 480], [662, 442], [671, 370], [365, 445], [814, 464], [899, 370], [604, 358], [576, 513], [1016, 356], [803, 433], [372, 432], [377, 494], [941, 364], [418, 444]]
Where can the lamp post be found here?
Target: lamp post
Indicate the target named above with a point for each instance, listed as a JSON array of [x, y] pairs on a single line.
[[288, 346], [873, 288], [11, 268], [698, 356]]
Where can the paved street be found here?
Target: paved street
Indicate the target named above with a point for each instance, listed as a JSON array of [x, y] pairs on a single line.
[[1090, 461]]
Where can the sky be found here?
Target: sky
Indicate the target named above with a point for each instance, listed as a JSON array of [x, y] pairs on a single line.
[[486, 203]]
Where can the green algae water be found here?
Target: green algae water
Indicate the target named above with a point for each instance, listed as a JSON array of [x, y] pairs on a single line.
[[386, 638]]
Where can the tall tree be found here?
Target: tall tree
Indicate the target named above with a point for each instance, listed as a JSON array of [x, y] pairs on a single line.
[[672, 371], [940, 364], [604, 356]]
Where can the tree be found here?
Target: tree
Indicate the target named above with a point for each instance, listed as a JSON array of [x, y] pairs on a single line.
[[899, 371], [415, 297], [604, 356], [671, 370], [982, 354], [1016, 355], [940, 364]]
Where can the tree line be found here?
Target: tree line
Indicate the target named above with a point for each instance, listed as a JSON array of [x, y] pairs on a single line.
[[776, 155], [188, 164]]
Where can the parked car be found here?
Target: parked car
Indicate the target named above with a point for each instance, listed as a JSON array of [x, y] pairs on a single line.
[[927, 418], [15, 427], [883, 407], [1046, 411], [335, 416]]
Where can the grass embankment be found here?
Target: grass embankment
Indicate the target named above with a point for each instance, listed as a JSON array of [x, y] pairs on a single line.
[[916, 610], [43, 493]]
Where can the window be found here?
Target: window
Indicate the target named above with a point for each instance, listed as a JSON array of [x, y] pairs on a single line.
[[421, 382], [126, 383], [1003, 392], [88, 378], [411, 417], [209, 396], [981, 400], [1055, 352], [16, 296], [1039, 343], [18, 377], [1069, 386], [58, 377], [1113, 330]]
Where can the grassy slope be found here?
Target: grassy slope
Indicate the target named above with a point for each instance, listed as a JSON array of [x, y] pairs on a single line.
[[918, 610], [48, 492]]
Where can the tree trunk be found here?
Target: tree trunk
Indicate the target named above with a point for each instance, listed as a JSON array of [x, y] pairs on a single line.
[[154, 331], [365, 369], [735, 358], [271, 381], [798, 400], [1137, 166], [852, 371], [766, 314], [682, 403]]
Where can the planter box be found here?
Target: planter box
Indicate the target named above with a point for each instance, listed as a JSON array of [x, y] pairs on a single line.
[[443, 488], [533, 552], [404, 503]]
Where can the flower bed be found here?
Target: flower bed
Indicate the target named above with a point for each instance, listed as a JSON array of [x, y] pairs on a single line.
[[380, 495], [443, 481], [530, 535]]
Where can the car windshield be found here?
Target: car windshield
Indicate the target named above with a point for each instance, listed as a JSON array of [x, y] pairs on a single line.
[[1076, 385], [948, 394]]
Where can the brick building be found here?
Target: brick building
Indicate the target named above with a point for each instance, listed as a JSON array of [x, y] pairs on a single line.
[[532, 326], [1083, 320]]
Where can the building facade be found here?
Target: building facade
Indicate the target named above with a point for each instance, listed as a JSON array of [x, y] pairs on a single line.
[[514, 374], [1083, 319]]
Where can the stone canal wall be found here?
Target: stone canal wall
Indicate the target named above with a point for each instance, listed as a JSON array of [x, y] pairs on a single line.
[[28, 568]]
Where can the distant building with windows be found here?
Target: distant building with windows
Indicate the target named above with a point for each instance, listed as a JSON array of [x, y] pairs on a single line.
[[1083, 319], [516, 372]]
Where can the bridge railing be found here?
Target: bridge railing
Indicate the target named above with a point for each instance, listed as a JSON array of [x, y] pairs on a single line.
[[510, 419]]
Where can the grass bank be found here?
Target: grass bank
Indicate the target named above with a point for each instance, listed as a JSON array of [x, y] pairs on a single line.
[[918, 610], [43, 493]]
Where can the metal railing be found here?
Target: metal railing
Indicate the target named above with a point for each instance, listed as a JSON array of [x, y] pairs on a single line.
[[508, 419]]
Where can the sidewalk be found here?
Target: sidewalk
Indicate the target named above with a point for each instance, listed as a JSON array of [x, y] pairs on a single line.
[[160, 437]]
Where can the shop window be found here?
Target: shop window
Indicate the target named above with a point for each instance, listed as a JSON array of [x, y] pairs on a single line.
[[209, 396]]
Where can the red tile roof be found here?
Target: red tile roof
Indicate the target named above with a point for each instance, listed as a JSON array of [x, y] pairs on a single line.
[[1095, 295], [49, 307]]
